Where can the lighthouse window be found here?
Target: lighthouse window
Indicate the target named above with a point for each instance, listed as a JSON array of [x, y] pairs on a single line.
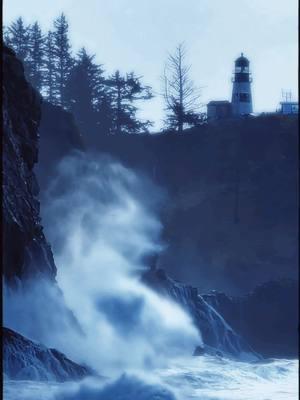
[[242, 77], [244, 97]]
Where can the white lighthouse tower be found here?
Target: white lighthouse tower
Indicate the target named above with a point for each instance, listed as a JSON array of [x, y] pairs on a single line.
[[241, 91]]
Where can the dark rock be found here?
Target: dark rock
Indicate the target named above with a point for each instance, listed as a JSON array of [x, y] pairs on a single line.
[[27, 256], [267, 317], [199, 351], [26, 360], [216, 332], [26, 251]]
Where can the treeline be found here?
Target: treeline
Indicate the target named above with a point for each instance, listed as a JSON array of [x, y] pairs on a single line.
[[100, 103]]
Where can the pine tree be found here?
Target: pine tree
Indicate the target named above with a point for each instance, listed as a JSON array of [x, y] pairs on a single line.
[[6, 37], [49, 75], [124, 92], [19, 38], [36, 56], [62, 56], [104, 114], [84, 90]]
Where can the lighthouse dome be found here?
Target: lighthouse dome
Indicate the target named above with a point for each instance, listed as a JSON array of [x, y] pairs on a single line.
[[242, 61]]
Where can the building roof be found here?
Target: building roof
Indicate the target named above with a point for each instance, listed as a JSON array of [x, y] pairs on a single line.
[[218, 102], [292, 103], [242, 61]]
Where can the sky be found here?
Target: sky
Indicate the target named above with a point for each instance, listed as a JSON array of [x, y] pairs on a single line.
[[138, 35]]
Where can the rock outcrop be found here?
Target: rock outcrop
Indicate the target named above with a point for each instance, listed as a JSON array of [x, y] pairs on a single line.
[[218, 336], [26, 251], [267, 317], [26, 360]]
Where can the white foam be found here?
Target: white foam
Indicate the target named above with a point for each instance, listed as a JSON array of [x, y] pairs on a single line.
[[205, 378]]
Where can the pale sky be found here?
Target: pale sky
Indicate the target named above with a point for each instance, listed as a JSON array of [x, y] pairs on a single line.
[[138, 34]]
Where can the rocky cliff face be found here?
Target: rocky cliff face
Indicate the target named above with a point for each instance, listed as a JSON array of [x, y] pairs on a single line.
[[27, 360], [218, 336], [27, 256], [26, 251], [267, 317]]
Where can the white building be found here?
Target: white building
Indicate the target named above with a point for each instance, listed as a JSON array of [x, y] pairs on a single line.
[[218, 109], [289, 107]]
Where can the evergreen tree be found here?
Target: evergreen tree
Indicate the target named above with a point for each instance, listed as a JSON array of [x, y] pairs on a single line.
[[6, 37], [19, 38], [49, 75], [62, 56], [104, 114], [36, 56], [98, 104], [84, 90], [124, 92]]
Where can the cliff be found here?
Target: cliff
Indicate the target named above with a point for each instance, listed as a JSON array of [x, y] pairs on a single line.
[[27, 256], [26, 251], [267, 317], [230, 222], [217, 334]]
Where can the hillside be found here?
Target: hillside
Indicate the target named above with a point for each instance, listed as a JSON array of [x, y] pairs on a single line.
[[230, 221]]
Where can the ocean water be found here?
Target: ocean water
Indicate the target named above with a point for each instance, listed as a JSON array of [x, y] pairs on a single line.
[[209, 378], [203, 378]]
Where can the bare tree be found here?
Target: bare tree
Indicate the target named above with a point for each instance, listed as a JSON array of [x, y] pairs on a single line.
[[180, 94]]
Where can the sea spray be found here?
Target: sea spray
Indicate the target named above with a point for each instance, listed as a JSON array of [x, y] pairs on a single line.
[[100, 218]]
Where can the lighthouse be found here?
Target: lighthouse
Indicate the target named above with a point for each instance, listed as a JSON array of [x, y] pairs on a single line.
[[241, 101]]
